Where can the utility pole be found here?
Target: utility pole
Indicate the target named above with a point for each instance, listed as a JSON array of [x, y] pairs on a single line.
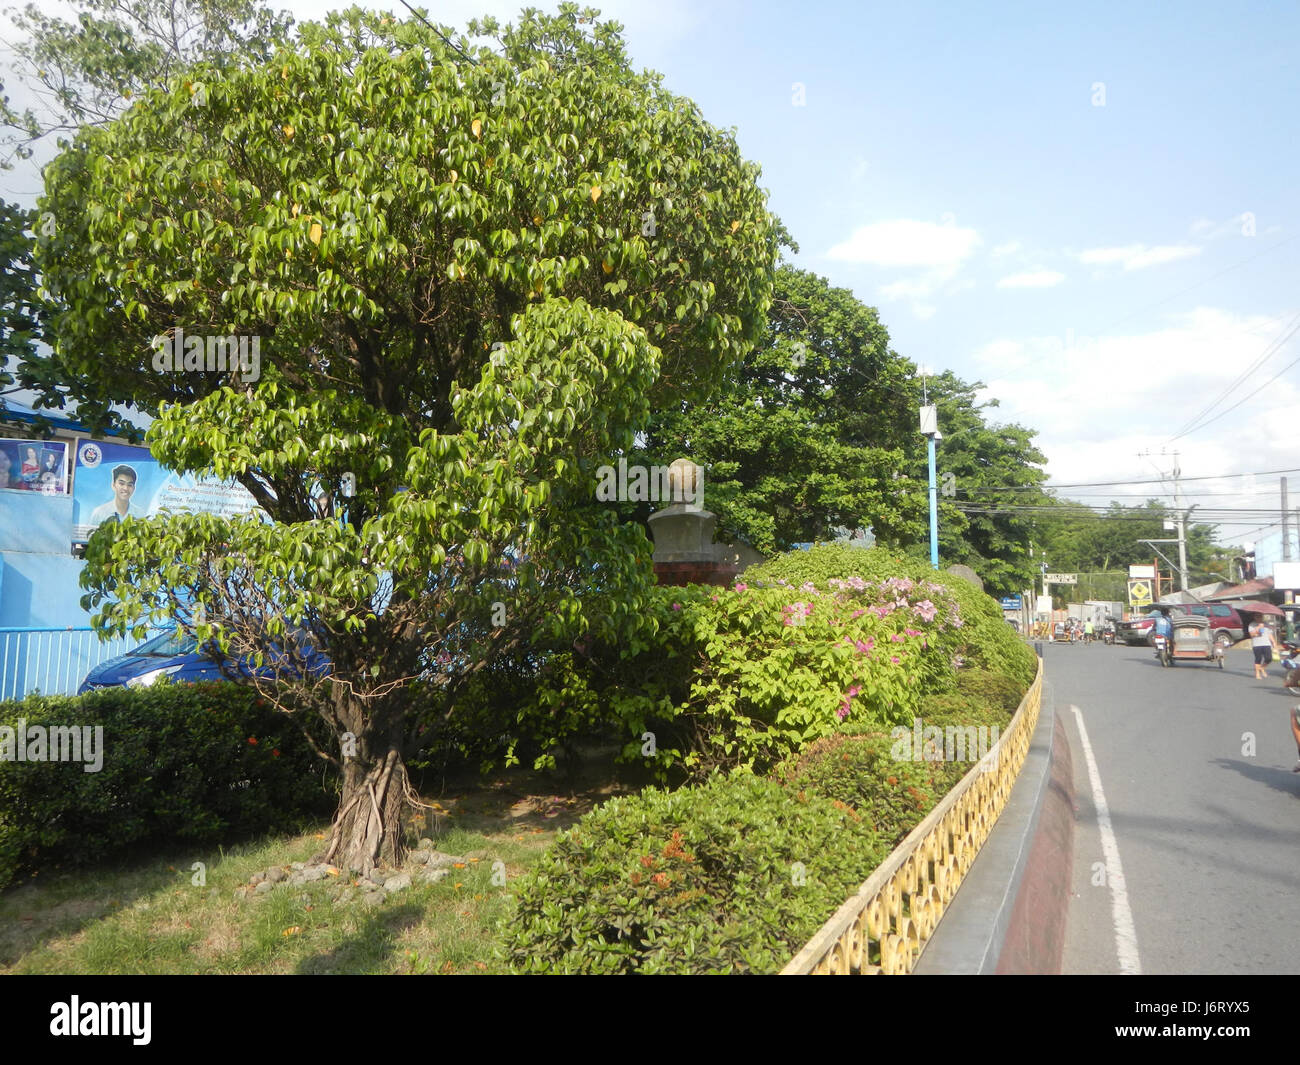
[[1180, 522], [1286, 532], [1182, 527]]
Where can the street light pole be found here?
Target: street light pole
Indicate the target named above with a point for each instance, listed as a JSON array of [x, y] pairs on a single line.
[[930, 427]]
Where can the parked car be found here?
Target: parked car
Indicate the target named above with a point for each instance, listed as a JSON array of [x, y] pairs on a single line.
[[175, 655], [1137, 630]]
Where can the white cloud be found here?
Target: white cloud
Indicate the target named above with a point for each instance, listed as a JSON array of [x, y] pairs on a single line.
[[1032, 279], [907, 242], [1091, 402], [903, 290], [1138, 256], [1008, 248]]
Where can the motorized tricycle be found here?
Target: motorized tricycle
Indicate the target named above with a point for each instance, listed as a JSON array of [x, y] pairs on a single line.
[[1191, 642]]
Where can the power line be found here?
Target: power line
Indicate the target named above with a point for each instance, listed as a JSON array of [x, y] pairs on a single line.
[[1270, 349], [1145, 480], [1239, 403], [449, 44]]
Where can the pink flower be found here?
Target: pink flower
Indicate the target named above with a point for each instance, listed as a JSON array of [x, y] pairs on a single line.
[[866, 645], [741, 587], [842, 712], [807, 586], [896, 638], [858, 613], [853, 691], [894, 659], [912, 632], [926, 610], [677, 606]]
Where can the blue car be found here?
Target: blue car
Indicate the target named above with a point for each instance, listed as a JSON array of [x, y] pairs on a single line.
[[175, 655]]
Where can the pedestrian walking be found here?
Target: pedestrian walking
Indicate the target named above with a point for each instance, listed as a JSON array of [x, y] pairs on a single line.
[[1263, 643], [1295, 733]]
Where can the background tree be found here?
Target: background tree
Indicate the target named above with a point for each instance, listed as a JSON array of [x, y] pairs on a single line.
[[444, 252], [809, 432], [982, 467], [22, 311], [818, 429], [87, 71]]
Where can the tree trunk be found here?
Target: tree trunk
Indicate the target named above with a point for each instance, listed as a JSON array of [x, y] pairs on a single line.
[[368, 826]]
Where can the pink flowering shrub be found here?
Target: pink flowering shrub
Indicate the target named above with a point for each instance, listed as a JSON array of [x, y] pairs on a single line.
[[803, 647]]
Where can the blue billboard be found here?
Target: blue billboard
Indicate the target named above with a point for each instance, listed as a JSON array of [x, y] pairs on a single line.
[[117, 481]]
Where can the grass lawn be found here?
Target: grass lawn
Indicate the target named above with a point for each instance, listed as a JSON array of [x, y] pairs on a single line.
[[148, 917]]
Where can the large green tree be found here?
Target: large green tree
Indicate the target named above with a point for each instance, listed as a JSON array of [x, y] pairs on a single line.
[[444, 251]]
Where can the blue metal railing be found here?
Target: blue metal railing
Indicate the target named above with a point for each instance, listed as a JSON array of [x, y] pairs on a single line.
[[52, 661]]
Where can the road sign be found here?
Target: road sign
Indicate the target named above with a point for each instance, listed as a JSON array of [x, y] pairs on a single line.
[[1062, 578], [1142, 571], [1139, 593], [1011, 602]]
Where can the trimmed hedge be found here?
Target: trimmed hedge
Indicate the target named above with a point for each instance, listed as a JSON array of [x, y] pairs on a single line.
[[196, 762], [892, 795], [732, 876]]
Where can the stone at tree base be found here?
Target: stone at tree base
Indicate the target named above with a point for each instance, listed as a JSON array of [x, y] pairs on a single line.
[[398, 882], [257, 878], [275, 874], [265, 887], [438, 860], [376, 877], [419, 857], [297, 867], [426, 844], [373, 898], [432, 876]]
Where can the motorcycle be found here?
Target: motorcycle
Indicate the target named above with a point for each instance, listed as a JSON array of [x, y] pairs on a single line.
[[1291, 668], [1162, 651]]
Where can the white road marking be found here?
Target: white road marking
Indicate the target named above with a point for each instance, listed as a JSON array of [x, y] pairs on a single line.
[[1126, 945]]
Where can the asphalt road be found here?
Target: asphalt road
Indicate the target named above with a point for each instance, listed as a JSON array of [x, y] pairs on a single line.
[[1204, 831]]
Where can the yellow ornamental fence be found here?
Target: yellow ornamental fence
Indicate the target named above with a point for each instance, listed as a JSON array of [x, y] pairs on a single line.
[[885, 926]]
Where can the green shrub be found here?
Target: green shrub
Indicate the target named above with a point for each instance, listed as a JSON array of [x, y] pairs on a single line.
[[732, 876], [983, 640], [194, 762], [892, 794], [991, 689]]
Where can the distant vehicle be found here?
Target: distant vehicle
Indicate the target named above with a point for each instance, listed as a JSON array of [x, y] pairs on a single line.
[[1226, 625], [1137, 630], [176, 655]]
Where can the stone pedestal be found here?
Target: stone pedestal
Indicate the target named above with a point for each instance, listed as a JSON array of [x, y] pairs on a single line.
[[684, 549]]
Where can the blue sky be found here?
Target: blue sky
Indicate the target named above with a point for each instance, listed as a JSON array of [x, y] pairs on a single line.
[[1091, 208]]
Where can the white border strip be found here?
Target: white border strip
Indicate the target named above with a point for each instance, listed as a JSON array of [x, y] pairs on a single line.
[[1126, 945]]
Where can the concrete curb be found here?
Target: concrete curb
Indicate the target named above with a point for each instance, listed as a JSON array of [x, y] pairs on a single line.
[[1009, 914]]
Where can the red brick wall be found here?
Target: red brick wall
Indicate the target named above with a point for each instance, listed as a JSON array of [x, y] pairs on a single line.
[[678, 574]]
